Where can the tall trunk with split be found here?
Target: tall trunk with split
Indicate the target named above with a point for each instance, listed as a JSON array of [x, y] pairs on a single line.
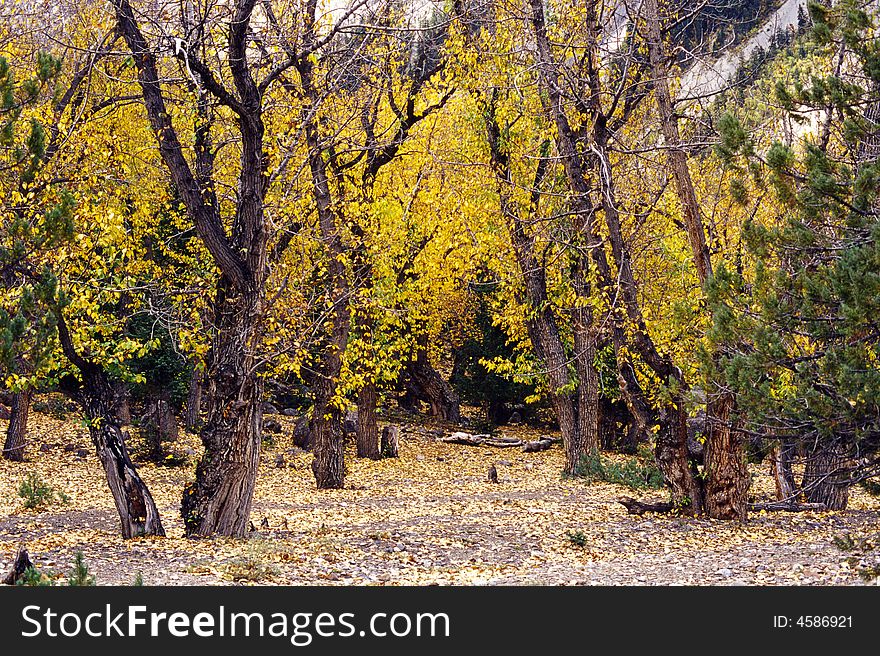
[[685, 491], [327, 425], [726, 474], [219, 500], [16, 432], [575, 398], [367, 427]]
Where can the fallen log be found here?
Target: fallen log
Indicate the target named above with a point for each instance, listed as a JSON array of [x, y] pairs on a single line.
[[786, 506], [537, 445], [19, 567], [634, 507], [482, 440]]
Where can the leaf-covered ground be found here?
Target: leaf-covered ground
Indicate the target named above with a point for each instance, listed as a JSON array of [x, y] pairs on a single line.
[[429, 517]]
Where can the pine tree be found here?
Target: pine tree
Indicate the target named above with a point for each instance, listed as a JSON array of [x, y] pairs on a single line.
[[805, 322]]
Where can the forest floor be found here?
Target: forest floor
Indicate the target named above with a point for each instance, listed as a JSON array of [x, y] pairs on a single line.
[[428, 517]]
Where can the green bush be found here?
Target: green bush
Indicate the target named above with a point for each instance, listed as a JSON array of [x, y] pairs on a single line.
[[34, 578], [638, 473], [577, 538], [37, 493], [79, 576]]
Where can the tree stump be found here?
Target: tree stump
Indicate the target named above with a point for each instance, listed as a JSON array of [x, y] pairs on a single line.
[[492, 476], [302, 433], [19, 566], [390, 441]]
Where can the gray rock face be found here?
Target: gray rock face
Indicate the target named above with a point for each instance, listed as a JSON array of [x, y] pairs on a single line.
[[290, 412], [269, 409]]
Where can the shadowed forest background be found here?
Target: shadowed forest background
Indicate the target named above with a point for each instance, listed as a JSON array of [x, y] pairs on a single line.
[[415, 291]]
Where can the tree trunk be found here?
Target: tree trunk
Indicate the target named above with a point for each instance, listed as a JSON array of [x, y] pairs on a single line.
[[428, 385], [193, 418], [608, 438], [727, 479], [826, 476], [123, 414], [575, 401], [20, 565], [16, 432], [134, 503], [158, 424], [726, 472], [390, 441], [367, 428], [406, 399], [329, 463], [576, 170], [671, 452], [781, 457], [219, 501]]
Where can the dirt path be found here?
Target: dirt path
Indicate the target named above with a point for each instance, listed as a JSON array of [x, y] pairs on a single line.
[[428, 518]]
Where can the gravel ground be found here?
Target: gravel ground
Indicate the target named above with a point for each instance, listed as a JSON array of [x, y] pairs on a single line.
[[429, 517]]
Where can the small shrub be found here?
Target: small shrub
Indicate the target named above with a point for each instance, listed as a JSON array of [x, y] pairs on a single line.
[[850, 542], [871, 487], [577, 538], [34, 578], [251, 565], [869, 572], [37, 493], [638, 473], [79, 576], [138, 580]]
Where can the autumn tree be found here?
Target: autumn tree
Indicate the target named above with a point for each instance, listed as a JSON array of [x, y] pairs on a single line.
[[234, 230], [41, 215]]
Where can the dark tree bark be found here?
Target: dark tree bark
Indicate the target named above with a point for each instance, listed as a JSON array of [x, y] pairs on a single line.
[[99, 399], [158, 424], [193, 417], [406, 400], [727, 481], [219, 500], [427, 385], [367, 427], [390, 441], [327, 424], [16, 432], [134, 503], [725, 467], [780, 467], [124, 412], [20, 565], [826, 476]]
